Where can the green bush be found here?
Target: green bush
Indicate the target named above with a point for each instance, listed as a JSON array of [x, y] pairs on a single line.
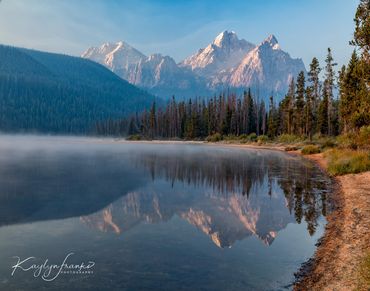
[[214, 137], [262, 139], [230, 137], [363, 138], [317, 137], [252, 137], [134, 137], [289, 149], [310, 149], [364, 272], [289, 138], [328, 143], [347, 161], [243, 136], [347, 141]]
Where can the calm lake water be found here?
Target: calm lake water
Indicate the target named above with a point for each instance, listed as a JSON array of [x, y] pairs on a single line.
[[142, 216]]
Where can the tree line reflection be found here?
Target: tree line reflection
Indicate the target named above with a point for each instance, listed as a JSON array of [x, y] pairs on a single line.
[[247, 173]]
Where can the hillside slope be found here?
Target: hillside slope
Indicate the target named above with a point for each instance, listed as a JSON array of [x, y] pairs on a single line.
[[53, 93]]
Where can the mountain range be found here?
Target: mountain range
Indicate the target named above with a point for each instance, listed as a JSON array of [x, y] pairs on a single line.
[[226, 63]]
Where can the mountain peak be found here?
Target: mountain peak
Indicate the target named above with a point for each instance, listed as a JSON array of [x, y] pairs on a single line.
[[116, 56], [272, 41], [225, 37], [111, 45], [225, 52]]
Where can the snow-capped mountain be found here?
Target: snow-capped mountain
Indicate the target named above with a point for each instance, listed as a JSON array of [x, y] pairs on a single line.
[[266, 66], [162, 76], [156, 73], [227, 62], [119, 57], [224, 53]]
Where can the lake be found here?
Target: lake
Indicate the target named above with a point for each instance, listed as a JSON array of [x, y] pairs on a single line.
[[154, 216]]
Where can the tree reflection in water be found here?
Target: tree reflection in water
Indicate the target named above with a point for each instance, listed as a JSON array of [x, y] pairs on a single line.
[[228, 171]]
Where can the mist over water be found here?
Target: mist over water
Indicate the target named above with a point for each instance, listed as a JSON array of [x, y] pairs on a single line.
[[157, 216]]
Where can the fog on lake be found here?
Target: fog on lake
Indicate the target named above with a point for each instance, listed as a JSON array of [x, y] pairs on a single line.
[[157, 216]]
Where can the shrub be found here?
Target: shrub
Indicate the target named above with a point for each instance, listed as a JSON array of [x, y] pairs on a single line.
[[230, 137], [252, 137], [347, 141], [289, 138], [328, 143], [262, 139], [243, 136], [364, 272], [342, 162], [310, 149], [363, 138], [134, 137], [355, 140], [214, 137], [289, 149], [317, 136]]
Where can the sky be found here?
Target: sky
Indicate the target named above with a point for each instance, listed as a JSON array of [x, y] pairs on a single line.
[[179, 28]]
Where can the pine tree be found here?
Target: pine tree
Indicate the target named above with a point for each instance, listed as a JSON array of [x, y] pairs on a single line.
[[349, 87], [288, 109], [153, 121], [308, 113], [314, 79], [251, 124], [328, 92], [361, 37], [263, 118], [133, 128], [299, 104], [273, 119], [322, 114]]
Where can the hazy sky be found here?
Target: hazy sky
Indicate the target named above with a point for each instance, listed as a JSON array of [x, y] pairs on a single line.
[[304, 28]]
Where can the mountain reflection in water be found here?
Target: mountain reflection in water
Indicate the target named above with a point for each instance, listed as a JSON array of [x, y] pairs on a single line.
[[228, 194]]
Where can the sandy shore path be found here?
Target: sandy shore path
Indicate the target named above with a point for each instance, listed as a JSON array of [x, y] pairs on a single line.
[[337, 261]]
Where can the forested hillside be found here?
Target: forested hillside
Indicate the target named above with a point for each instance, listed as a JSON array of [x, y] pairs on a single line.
[[53, 93]]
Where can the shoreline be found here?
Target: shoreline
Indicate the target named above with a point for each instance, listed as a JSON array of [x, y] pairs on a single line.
[[337, 260], [340, 252]]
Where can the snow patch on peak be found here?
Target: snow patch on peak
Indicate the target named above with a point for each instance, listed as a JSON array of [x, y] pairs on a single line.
[[225, 52], [272, 41], [225, 37], [119, 57]]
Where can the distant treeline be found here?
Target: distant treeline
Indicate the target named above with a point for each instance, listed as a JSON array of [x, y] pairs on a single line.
[[308, 108]]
